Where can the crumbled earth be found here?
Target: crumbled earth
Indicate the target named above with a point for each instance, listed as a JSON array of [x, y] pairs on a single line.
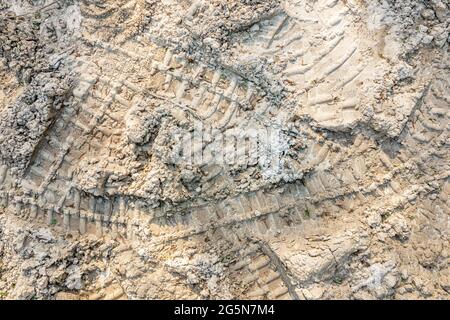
[[208, 149]]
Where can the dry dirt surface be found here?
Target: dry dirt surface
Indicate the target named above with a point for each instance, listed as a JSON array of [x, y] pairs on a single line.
[[210, 149]]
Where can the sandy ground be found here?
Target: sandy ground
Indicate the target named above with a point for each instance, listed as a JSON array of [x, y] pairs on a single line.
[[209, 149]]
